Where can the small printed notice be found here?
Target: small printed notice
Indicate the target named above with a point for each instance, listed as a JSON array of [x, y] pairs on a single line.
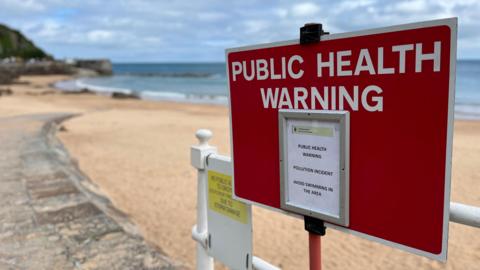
[[220, 197], [313, 177]]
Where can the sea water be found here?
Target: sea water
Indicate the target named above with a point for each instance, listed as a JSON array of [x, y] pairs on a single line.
[[196, 83], [467, 90], [207, 83]]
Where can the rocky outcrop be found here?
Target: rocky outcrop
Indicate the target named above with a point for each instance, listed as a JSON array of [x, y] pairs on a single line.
[[84, 68], [101, 66], [5, 92], [119, 95], [8, 73], [46, 67]]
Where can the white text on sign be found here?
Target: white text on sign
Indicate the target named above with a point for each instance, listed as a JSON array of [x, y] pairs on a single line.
[[334, 64]]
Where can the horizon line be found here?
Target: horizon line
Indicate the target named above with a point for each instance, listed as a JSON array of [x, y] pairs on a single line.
[[218, 62]]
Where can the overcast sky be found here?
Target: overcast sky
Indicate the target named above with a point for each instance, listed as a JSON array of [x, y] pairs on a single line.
[[199, 31]]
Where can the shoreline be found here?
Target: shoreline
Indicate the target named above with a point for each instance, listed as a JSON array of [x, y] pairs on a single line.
[[462, 111], [137, 152], [77, 85]]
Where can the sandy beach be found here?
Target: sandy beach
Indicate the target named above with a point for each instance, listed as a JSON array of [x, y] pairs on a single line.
[[137, 152]]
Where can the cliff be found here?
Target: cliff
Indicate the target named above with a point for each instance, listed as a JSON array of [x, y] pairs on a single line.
[[15, 44], [19, 56]]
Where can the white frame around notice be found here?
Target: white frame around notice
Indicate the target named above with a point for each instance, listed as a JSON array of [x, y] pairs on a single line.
[[341, 117], [449, 22]]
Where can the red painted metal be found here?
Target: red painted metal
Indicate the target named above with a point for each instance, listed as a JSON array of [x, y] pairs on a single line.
[[397, 156], [315, 251]]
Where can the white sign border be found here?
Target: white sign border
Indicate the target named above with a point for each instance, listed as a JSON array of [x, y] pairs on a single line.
[[452, 24]]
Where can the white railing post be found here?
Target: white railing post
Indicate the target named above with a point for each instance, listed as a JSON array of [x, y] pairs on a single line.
[[198, 156]]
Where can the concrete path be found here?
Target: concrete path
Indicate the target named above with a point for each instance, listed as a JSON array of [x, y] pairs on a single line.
[[50, 215]]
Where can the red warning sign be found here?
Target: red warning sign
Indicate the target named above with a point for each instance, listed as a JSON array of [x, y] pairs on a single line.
[[397, 84]]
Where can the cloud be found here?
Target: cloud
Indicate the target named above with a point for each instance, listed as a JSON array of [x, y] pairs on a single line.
[[305, 9], [177, 30], [212, 16], [48, 30], [410, 6], [100, 36], [255, 26], [24, 6]]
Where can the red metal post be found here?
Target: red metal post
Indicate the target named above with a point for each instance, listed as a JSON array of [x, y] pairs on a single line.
[[315, 251]]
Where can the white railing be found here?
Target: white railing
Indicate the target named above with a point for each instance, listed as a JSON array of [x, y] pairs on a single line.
[[203, 152], [260, 264], [465, 214]]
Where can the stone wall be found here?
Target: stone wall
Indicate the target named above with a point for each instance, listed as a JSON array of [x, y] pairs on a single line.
[[8, 73], [11, 71], [101, 66]]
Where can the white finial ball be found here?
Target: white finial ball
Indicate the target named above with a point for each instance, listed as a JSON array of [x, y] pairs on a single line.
[[203, 135]]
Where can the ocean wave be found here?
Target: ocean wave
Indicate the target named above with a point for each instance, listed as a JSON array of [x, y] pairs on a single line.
[[463, 110], [182, 97], [101, 89], [79, 85]]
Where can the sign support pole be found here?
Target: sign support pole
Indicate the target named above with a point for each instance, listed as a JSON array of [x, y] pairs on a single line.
[[311, 33], [316, 229], [315, 251]]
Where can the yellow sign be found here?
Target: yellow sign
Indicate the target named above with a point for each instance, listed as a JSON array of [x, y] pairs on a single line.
[[220, 197]]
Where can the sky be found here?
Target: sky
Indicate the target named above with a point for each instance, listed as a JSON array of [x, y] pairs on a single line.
[[199, 31]]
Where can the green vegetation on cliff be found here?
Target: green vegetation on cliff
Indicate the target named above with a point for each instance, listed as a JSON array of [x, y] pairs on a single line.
[[13, 43]]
